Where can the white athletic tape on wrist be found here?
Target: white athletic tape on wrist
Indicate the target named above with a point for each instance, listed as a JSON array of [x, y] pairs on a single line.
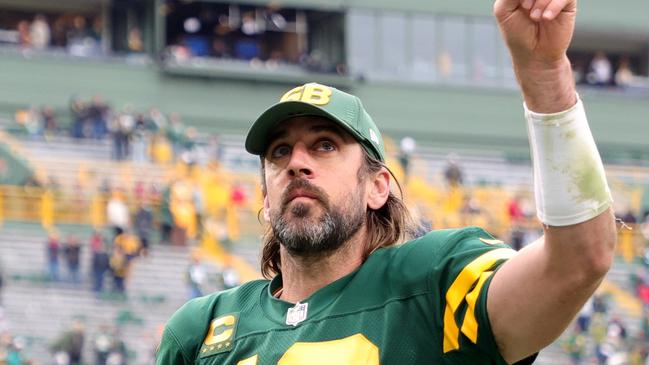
[[569, 180]]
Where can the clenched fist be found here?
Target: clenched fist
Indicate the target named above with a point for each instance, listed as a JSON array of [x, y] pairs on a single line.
[[536, 30], [538, 33]]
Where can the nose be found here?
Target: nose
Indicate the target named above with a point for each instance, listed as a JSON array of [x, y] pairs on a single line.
[[299, 164]]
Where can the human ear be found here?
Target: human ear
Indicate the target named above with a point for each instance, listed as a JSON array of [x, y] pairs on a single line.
[[378, 189]]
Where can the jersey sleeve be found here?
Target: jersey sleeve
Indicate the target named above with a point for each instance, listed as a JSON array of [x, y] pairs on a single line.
[[462, 269], [170, 351], [184, 333]]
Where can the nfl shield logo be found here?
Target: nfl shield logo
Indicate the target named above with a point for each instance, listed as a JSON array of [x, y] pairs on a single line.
[[296, 314]]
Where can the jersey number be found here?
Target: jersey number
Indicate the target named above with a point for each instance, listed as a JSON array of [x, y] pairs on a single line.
[[352, 350]]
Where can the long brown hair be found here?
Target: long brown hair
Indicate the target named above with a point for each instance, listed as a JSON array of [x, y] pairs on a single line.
[[386, 226]]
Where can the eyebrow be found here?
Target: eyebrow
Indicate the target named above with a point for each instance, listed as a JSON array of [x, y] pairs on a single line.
[[321, 127]]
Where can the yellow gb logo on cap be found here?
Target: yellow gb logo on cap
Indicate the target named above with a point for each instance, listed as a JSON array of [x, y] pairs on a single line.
[[311, 93]]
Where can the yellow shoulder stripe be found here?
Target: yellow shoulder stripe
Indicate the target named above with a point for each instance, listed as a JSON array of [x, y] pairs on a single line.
[[470, 324], [460, 288]]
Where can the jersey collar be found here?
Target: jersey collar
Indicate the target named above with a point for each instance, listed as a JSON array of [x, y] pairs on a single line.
[[275, 309]]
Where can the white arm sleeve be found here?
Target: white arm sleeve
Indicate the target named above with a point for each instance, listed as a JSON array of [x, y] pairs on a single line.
[[569, 181]]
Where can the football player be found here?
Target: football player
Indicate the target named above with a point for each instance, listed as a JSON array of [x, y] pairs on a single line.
[[342, 292]]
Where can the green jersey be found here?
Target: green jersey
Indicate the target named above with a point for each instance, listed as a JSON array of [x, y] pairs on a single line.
[[423, 302]]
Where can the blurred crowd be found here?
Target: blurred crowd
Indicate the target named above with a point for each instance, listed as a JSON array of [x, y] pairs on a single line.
[[265, 36], [70, 347], [138, 136], [182, 213], [110, 261], [602, 71], [600, 337], [78, 34]]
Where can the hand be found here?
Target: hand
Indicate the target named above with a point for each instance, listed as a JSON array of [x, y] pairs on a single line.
[[537, 32]]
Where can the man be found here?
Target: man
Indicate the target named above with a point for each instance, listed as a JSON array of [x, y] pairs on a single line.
[[344, 294]]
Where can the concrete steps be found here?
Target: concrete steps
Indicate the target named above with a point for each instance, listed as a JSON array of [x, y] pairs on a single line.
[[41, 310]]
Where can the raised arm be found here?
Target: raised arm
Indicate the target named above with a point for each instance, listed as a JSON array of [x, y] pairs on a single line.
[[535, 295]]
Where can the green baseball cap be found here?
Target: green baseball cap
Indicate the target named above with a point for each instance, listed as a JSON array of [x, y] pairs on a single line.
[[313, 99]]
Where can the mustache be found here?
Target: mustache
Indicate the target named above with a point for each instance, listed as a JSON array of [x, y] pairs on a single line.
[[307, 187]]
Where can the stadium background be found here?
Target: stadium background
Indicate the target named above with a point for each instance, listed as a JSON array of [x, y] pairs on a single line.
[[80, 130]]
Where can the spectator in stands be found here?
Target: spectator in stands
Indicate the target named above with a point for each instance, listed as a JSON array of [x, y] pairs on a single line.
[[122, 128], [516, 222], [108, 347], [220, 49], [214, 148], [453, 172], [238, 195], [24, 38], [100, 262], [140, 138], [231, 277], [575, 345], [176, 133], [155, 120], [179, 51], [161, 149], [79, 30], [39, 32], [600, 70], [143, 225], [129, 245], [407, 147], [52, 249], [119, 270], [195, 276], [584, 316], [624, 76], [71, 343], [59, 32], [13, 352], [72, 254], [189, 150], [165, 217], [134, 40], [97, 114], [31, 120], [79, 115], [82, 40], [96, 241], [50, 122], [615, 347], [117, 213], [101, 344]]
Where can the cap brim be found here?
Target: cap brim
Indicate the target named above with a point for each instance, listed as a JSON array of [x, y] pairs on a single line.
[[257, 138]]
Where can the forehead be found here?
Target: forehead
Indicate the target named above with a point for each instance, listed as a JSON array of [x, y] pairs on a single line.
[[304, 125]]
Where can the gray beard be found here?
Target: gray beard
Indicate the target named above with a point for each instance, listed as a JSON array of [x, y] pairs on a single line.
[[304, 235]]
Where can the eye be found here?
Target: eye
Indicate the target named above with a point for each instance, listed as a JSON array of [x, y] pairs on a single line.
[[326, 146], [280, 151]]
